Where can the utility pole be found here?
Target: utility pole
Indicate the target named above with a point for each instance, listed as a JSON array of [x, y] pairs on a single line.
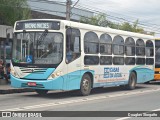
[[68, 9]]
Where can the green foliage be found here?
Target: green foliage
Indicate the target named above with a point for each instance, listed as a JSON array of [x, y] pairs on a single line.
[[133, 28], [127, 27], [101, 20], [98, 20], [13, 10]]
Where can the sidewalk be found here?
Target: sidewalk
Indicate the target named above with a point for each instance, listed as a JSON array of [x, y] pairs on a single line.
[[5, 88]]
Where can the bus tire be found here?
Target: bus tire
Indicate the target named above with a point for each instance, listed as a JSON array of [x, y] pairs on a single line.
[[41, 92], [132, 81], [85, 87]]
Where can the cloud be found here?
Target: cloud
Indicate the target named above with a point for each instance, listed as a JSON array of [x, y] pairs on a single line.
[[147, 11], [143, 9]]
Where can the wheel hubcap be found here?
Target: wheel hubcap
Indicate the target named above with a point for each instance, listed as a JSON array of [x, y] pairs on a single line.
[[85, 85]]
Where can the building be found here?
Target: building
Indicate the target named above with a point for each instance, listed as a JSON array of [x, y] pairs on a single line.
[[46, 10], [4, 40], [41, 10], [55, 10]]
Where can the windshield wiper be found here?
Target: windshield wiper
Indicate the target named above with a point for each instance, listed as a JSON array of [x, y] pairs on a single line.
[[41, 38], [43, 35]]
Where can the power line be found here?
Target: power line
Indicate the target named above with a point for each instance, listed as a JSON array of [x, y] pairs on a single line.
[[113, 17], [99, 12], [47, 1], [40, 9], [89, 8], [75, 4], [108, 10]]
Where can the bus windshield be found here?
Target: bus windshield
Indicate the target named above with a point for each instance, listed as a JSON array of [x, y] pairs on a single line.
[[37, 48]]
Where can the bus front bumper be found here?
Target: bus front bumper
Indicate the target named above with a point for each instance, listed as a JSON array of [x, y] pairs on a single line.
[[55, 84]]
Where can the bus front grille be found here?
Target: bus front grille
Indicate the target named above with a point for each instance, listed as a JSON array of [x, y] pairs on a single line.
[[33, 70]]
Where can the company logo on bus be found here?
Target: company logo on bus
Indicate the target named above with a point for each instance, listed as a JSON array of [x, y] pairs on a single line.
[[112, 72]]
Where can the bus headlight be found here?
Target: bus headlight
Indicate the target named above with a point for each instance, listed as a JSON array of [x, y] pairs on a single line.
[[54, 75], [13, 72]]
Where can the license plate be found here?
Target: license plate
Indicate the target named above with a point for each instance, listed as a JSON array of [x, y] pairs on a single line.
[[31, 83]]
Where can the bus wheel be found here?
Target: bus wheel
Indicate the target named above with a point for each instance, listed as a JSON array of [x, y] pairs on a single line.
[[132, 81], [41, 92], [85, 87]]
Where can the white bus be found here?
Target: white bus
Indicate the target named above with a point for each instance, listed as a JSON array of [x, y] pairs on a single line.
[[51, 54]]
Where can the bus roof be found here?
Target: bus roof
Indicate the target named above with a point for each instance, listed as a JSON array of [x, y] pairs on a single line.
[[95, 28]]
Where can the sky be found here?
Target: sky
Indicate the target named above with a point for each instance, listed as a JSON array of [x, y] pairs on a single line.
[[147, 11]]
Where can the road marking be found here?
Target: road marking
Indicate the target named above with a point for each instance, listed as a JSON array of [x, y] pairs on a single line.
[[124, 118], [80, 100]]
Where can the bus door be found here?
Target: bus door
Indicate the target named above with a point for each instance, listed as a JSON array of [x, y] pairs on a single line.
[[73, 59]]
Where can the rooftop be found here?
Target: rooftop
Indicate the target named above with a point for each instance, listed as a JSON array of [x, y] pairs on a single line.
[[56, 9]]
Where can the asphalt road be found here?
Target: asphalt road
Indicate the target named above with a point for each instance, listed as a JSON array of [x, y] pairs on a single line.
[[146, 97]]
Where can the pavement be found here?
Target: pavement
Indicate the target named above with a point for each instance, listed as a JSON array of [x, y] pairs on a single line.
[[5, 88]]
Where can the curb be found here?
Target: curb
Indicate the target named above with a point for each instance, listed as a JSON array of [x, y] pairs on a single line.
[[10, 91]]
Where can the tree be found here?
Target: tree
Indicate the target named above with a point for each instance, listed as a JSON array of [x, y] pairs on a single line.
[[126, 27], [98, 20], [13, 10], [101, 20]]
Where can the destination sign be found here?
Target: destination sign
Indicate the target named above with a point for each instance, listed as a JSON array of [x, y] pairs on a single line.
[[30, 25], [36, 25]]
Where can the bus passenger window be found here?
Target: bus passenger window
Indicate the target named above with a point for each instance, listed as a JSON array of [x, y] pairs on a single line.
[[149, 61], [106, 60], [140, 47], [140, 61], [91, 43], [106, 44], [130, 46], [118, 61], [72, 44], [91, 60], [130, 61], [149, 48], [118, 45]]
